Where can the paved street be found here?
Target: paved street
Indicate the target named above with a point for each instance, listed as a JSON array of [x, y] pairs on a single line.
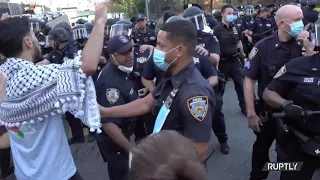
[[235, 166]]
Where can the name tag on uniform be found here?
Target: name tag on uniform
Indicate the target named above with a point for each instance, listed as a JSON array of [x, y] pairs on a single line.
[[308, 80], [152, 38], [268, 25]]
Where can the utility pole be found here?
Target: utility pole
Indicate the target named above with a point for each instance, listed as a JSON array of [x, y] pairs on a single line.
[[147, 9]]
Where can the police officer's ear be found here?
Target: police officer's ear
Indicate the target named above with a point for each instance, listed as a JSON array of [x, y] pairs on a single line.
[[181, 50]]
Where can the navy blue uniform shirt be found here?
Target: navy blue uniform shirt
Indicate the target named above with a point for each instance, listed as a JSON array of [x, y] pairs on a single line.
[[261, 28], [148, 38], [140, 59], [193, 106], [267, 57], [299, 81], [114, 88], [209, 42], [58, 57], [228, 39]]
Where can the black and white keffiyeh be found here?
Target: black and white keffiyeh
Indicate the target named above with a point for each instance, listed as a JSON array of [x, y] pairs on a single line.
[[35, 92]]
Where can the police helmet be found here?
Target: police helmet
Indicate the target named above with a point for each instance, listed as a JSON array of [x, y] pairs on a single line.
[[208, 15], [186, 6], [196, 16], [89, 27], [249, 9], [64, 25], [34, 24], [59, 34], [175, 18], [80, 32], [123, 27], [81, 21]]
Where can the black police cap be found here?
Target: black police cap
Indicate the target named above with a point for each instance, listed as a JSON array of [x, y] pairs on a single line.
[[186, 6], [119, 44], [63, 25], [140, 16]]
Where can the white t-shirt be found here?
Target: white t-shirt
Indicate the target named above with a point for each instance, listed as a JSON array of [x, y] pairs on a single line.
[[44, 153]]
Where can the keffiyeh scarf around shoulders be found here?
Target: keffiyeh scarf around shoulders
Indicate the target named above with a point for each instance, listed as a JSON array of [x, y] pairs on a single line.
[[36, 92]]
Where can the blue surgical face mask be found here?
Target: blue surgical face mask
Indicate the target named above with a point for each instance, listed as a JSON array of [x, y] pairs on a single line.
[[229, 18], [296, 28], [159, 59]]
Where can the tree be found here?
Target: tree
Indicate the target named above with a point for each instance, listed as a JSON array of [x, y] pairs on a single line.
[[129, 7]]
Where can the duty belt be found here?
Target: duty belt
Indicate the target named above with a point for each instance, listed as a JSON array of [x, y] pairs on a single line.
[[310, 145]]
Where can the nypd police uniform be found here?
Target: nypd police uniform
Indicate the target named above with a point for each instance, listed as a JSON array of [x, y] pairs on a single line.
[[192, 106], [261, 28], [115, 87], [265, 59], [229, 64], [298, 81]]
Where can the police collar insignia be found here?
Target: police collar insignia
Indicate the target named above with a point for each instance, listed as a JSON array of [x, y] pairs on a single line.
[[34, 93], [248, 64], [123, 39], [113, 95], [281, 72], [253, 53], [198, 107]]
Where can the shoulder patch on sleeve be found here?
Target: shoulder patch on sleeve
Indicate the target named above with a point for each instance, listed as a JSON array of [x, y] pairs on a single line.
[[253, 53], [113, 95], [198, 107], [281, 72]]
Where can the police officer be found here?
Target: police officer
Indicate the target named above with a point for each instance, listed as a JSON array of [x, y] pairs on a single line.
[[246, 19], [229, 37], [310, 15], [143, 34], [238, 20], [116, 87], [145, 123], [80, 35], [183, 100], [265, 59], [208, 45], [43, 41], [262, 26], [256, 12], [295, 90]]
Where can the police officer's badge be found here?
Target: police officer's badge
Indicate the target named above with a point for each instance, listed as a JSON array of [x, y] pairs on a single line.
[[253, 53], [281, 72], [41, 43], [198, 107], [152, 38], [113, 95], [123, 39]]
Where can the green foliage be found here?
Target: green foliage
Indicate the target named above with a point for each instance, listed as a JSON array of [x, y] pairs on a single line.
[[128, 7]]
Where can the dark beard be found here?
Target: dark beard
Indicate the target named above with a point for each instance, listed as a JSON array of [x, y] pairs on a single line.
[[37, 55]]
